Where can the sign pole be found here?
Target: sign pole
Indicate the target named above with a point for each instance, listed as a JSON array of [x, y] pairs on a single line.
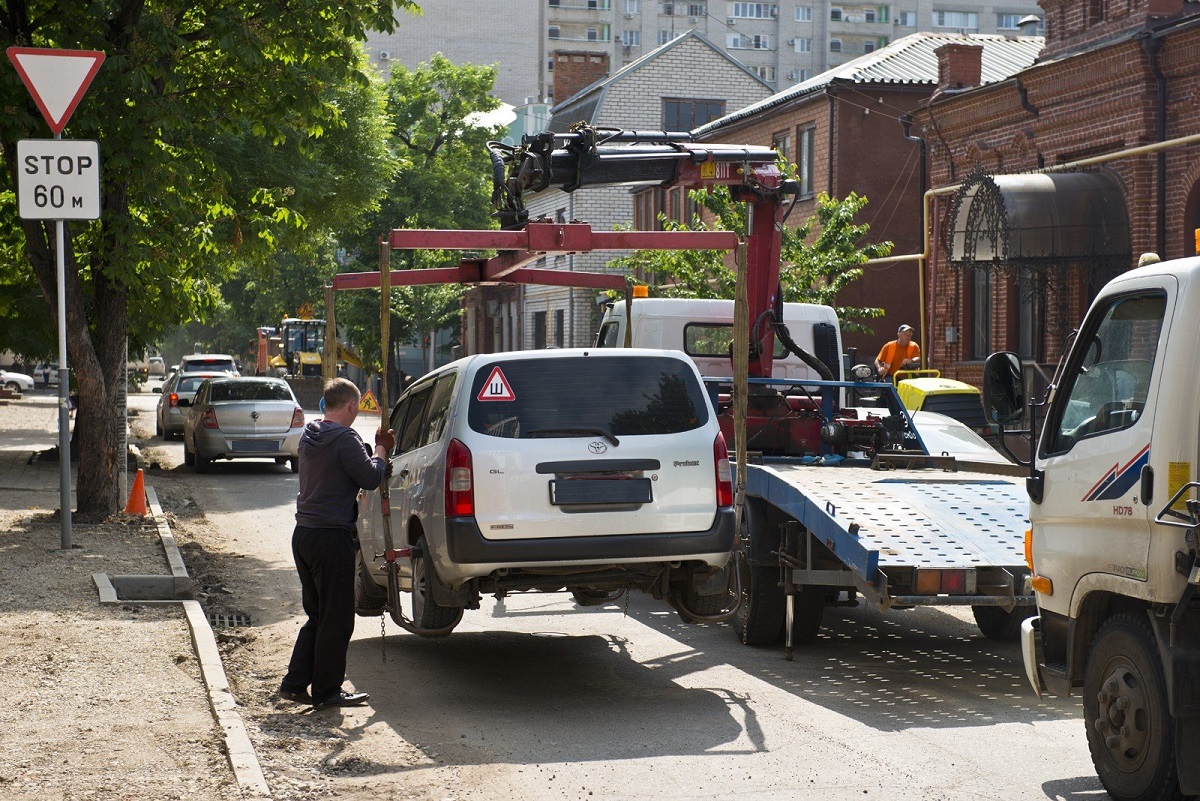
[[64, 389]]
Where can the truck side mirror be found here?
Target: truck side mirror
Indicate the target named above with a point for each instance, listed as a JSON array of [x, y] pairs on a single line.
[[1003, 390]]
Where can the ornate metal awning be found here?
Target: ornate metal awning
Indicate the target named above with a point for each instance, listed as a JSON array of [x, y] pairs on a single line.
[[1034, 223]]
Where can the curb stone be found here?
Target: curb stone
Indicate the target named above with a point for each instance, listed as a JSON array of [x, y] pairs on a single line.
[[238, 747]]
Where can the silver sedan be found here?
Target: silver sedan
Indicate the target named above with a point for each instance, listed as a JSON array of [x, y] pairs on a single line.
[[242, 418]]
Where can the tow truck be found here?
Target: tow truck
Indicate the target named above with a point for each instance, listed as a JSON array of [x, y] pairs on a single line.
[[838, 505]]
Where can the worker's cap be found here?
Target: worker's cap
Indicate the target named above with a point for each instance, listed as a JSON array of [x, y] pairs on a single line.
[[904, 328]]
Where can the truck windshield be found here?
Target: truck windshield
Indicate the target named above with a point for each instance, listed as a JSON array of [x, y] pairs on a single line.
[[1109, 384]]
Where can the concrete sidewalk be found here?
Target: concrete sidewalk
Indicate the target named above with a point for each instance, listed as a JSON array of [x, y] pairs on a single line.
[[117, 698]]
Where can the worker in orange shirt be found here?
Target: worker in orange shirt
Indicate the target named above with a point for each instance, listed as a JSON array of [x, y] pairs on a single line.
[[899, 354]]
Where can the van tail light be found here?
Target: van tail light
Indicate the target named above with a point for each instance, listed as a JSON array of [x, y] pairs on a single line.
[[210, 419], [460, 493], [724, 474], [173, 400], [298, 418]]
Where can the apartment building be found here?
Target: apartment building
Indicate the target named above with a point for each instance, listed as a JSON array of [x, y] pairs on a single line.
[[783, 43]]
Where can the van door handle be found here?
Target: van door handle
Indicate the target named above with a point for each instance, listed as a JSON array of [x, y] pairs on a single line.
[[404, 473], [1147, 490]]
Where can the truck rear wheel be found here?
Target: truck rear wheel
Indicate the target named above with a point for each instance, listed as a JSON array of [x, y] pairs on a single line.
[[997, 624], [760, 615], [1130, 731], [808, 610], [426, 612]]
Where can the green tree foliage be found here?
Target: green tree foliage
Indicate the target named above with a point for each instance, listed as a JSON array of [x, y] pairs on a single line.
[[817, 260], [443, 180], [210, 118]]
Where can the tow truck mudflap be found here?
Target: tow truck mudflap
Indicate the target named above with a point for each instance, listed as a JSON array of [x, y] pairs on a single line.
[[1031, 652]]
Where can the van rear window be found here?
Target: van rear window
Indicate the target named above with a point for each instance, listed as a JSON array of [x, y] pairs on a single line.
[[621, 396], [197, 365]]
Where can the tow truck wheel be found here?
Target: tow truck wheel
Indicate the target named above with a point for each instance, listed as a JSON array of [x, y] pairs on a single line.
[[759, 617], [426, 612], [369, 597], [1129, 728], [996, 624], [808, 610]]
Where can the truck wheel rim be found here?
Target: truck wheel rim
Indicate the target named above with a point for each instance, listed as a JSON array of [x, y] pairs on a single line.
[[1123, 720]]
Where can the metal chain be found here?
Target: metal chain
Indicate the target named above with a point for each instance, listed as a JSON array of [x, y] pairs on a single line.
[[382, 637]]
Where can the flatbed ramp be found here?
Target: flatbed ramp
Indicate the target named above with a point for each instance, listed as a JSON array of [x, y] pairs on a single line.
[[874, 520]]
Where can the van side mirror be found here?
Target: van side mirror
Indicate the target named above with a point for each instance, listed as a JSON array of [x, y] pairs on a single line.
[[1003, 390]]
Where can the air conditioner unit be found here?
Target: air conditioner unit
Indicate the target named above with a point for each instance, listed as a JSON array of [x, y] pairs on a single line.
[[628, 16], [792, 75], [731, 20], [384, 55], [774, 13], [792, 42], [693, 20]]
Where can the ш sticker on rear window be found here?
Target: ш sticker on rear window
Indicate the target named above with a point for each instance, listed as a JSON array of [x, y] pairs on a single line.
[[496, 388]]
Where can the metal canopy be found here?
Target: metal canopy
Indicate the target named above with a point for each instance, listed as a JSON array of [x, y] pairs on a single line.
[[1020, 222]]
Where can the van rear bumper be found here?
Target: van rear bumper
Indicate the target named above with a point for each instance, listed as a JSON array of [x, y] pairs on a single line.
[[467, 545]]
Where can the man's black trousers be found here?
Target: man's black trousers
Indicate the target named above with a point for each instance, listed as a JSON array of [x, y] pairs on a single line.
[[325, 560]]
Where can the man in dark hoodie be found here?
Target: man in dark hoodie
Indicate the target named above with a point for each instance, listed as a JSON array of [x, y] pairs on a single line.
[[334, 465]]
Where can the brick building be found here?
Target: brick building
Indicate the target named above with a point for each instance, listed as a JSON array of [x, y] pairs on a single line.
[[843, 131], [1050, 183]]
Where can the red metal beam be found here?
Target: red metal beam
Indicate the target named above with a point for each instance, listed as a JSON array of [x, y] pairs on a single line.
[[545, 237], [587, 280]]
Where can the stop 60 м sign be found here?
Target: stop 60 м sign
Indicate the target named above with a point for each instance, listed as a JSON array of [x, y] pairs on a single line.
[[58, 179]]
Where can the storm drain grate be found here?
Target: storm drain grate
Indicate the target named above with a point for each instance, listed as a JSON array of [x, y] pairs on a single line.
[[228, 620]]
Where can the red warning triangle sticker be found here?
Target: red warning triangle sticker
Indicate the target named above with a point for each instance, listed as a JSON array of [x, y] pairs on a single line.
[[496, 388], [57, 79]]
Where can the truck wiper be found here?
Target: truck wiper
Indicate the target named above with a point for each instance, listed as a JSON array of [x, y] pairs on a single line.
[[575, 430]]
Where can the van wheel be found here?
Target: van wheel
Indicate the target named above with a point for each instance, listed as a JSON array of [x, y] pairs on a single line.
[[1129, 728], [997, 624], [426, 612], [202, 462], [369, 598], [760, 615], [189, 458], [294, 464]]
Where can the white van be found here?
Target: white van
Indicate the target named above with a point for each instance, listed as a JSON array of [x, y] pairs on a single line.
[[590, 470], [703, 329]]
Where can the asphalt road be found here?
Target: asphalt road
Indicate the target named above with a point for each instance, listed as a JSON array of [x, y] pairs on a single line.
[[536, 699]]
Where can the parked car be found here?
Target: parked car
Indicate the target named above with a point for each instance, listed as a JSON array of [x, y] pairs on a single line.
[[157, 367], [595, 471], [209, 363], [17, 382], [242, 418], [169, 416]]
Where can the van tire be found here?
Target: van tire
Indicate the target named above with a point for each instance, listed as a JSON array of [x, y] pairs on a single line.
[[189, 458], [369, 598], [760, 615], [426, 612]]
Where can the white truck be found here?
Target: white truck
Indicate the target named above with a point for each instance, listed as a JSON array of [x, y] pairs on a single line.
[[1114, 522]]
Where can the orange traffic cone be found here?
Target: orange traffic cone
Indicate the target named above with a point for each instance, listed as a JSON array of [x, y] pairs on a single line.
[[137, 496]]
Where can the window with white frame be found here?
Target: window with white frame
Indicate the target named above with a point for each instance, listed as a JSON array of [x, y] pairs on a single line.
[[633, 6], [593, 35], [835, 14], [753, 10], [555, 33], [802, 45], [664, 37], [803, 14], [907, 18], [782, 142], [835, 45], [1008, 22], [869, 15], [804, 160], [736, 41], [697, 10], [631, 38], [766, 73], [962, 20]]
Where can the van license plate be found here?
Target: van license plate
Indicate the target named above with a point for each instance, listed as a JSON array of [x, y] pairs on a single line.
[[599, 491]]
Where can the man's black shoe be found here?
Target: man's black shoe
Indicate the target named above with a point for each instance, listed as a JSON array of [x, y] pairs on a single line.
[[341, 698], [299, 697]]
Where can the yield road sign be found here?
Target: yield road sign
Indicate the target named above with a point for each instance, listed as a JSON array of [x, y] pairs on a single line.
[[58, 179], [57, 79]]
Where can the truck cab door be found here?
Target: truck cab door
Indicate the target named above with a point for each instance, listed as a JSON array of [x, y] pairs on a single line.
[[1094, 520]]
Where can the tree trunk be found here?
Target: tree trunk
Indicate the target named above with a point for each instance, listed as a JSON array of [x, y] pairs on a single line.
[[97, 365]]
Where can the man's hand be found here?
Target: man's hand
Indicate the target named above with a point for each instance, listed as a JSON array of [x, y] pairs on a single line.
[[385, 439]]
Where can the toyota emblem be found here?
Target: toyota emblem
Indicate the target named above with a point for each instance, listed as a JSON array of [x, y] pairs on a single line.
[[597, 447]]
